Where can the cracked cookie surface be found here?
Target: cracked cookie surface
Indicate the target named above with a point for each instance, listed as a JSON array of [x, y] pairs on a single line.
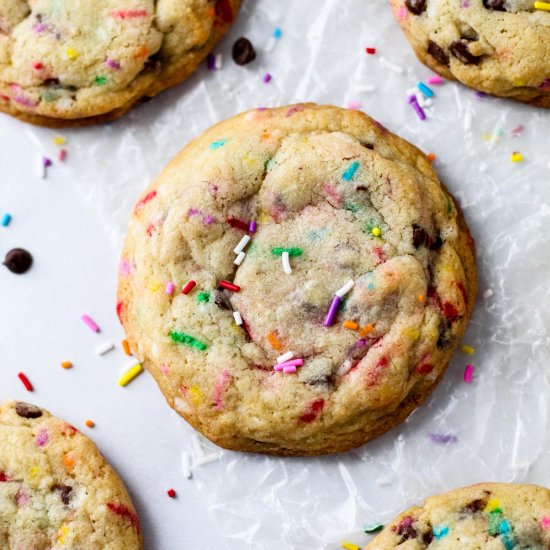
[[487, 516], [500, 47], [56, 489], [347, 200], [76, 61]]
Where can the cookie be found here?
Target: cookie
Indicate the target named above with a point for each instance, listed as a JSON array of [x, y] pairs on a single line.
[[56, 489], [75, 62], [492, 516], [296, 280], [494, 46]]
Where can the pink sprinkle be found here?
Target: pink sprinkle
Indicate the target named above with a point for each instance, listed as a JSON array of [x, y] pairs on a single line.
[[267, 78], [112, 64], [435, 80], [39, 27], [278, 368], [221, 385], [402, 13], [169, 288], [291, 363], [545, 522], [517, 130], [42, 438], [469, 374], [63, 155], [22, 100], [124, 14], [354, 105], [289, 370], [22, 498], [124, 268], [90, 322], [165, 369]]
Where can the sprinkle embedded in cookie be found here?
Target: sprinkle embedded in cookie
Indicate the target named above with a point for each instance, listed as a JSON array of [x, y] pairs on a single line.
[[333, 279], [56, 490], [497, 516], [63, 61], [494, 46]]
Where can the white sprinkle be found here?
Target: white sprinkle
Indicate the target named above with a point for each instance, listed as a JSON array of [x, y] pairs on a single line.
[[218, 61], [365, 88], [40, 167], [488, 293], [285, 357], [392, 66], [468, 121], [421, 100], [345, 289], [197, 445], [344, 368], [238, 318], [411, 91], [242, 243], [239, 259], [186, 465], [286, 262], [271, 44], [206, 459], [104, 348]]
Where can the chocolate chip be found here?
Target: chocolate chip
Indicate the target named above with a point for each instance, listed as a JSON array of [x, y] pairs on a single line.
[[222, 301], [475, 506], [495, 5], [416, 6], [243, 51], [460, 49], [436, 243], [420, 236], [427, 537], [26, 410], [438, 53], [153, 62], [18, 261], [64, 493], [368, 146]]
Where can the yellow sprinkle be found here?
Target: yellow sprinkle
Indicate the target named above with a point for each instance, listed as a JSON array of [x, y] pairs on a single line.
[[350, 546], [66, 364], [62, 533], [468, 349], [493, 504], [250, 160], [264, 217], [376, 231], [153, 287], [350, 325], [421, 298], [366, 330], [516, 157], [196, 395], [71, 53], [34, 472], [130, 374], [542, 6], [59, 140], [412, 333]]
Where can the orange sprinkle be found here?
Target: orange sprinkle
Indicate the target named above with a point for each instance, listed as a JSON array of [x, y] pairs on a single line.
[[366, 330], [141, 53], [90, 423], [265, 136], [68, 460], [421, 298], [431, 157], [126, 347], [350, 324], [66, 364], [274, 341]]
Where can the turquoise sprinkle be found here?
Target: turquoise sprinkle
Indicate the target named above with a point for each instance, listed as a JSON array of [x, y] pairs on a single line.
[[217, 144], [425, 89], [350, 171], [374, 528], [351, 207], [182, 338], [277, 33], [370, 286], [508, 542], [504, 527], [440, 531]]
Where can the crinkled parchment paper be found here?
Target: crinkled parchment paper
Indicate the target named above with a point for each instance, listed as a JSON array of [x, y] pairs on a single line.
[[498, 424]]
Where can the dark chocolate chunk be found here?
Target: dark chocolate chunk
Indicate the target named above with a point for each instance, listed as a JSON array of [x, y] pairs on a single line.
[[18, 261], [436, 243], [64, 493], [243, 51], [416, 6], [495, 5], [427, 537], [460, 49], [26, 410], [438, 53]]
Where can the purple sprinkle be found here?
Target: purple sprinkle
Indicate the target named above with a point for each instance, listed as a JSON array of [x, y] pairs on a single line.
[[413, 102], [481, 95], [47, 162], [193, 212], [39, 27], [111, 63], [252, 226], [329, 319], [211, 62], [441, 438], [208, 219], [267, 78]]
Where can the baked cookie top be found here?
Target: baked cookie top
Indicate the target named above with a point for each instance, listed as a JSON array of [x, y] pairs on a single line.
[[56, 489], [496, 46], [72, 59], [324, 196], [488, 516]]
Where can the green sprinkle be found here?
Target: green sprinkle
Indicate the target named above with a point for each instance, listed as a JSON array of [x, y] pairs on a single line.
[[350, 171], [495, 519], [351, 207], [450, 206], [278, 251], [374, 528], [101, 80], [48, 97], [203, 297], [182, 338], [217, 144]]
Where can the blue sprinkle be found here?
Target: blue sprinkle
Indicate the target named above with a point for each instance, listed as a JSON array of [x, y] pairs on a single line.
[[350, 171], [504, 527], [218, 144], [277, 33], [425, 89], [440, 531], [6, 220], [370, 286], [508, 542]]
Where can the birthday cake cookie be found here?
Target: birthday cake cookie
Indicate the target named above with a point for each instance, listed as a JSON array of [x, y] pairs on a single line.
[[56, 490], [73, 62], [494, 46], [487, 516], [296, 280]]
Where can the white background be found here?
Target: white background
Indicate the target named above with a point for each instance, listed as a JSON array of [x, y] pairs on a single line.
[[73, 223]]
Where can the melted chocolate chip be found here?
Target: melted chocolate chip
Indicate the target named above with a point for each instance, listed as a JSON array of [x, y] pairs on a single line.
[[222, 301], [153, 63], [64, 493], [243, 51], [26, 410], [416, 6], [420, 236], [427, 537], [361, 188], [438, 53], [495, 5], [436, 243], [475, 506], [460, 49], [368, 146], [18, 261]]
